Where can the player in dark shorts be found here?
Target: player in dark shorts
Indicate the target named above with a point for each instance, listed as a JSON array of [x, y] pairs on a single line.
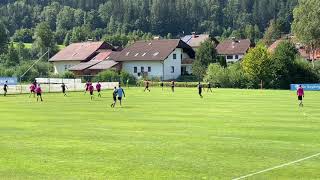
[[200, 89], [98, 87], [147, 86], [209, 87], [121, 94], [172, 85], [32, 90], [91, 89], [114, 96], [63, 87], [88, 83], [300, 94], [5, 88], [39, 93], [161, 85]]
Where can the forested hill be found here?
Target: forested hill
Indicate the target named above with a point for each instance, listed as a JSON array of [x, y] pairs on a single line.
[[239, 18]]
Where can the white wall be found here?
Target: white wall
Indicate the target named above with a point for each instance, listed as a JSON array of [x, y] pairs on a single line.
[[176, 63], [59, 66], [234, 59], [158, 68], [47, 88]]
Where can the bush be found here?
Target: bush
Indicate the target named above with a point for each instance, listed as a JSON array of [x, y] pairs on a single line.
[[113, 76], [69, 75], [230, 77]]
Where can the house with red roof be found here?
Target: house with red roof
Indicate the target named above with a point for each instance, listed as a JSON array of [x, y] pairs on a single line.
[[79, 56], [165, 59], [233, 50]]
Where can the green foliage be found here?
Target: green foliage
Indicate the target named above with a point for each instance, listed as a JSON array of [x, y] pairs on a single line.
[[256, 65], [3, 38], [113, 76], [23, 35], [12, 57], [283, 65], [272, 33], [306, 23], [68, 75], [205, 55], [44, 39], [230, 77]]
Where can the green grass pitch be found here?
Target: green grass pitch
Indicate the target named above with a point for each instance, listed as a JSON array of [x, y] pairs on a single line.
[[160, 135]]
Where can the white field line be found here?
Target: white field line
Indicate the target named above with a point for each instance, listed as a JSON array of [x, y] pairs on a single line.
[[277, 167]]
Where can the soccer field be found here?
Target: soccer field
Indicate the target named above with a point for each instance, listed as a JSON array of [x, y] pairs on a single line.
[[161, 135]]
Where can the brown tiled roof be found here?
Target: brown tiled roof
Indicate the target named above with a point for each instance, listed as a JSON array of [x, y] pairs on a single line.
[[103, 65], [274, 45], [95, 60], [157, 50], [195, 40], [80, 51], [231, 47], [84, 65]]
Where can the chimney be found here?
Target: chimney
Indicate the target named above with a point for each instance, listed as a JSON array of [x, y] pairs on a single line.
[[194, 34]]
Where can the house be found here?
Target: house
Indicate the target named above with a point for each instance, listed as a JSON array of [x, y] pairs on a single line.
[[233, 50], [77, 53], [303, 50], [195, 40], [165, 59]]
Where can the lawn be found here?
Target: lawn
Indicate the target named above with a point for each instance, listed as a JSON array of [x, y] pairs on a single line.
[[160, 135]]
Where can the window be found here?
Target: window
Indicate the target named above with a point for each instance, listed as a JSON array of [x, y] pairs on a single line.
[[174, 56], [136, 54], [181, 56], [172, 69], [127, 53], [65, 67], [156, 54], [135, 69], [229, 57], [149, 69], [144, 54], [236, 56], [142, 69]]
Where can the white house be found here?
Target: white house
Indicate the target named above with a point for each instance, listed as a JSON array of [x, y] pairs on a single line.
[[157, 58], [233, 50], [77, 53]]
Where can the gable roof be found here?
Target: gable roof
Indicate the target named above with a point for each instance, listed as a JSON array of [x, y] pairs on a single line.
[[80, 51], [103, 65], [232, 47], [196, 40], [95, 60], [156, 50]]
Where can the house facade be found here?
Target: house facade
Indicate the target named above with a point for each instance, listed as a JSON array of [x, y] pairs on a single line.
[[233, 50], [77, 53], [158, 58]]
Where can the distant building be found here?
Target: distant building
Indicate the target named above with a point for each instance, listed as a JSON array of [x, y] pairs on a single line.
[[233, 50], [77, 53], [195, 40], [303, 50], [165, 59]]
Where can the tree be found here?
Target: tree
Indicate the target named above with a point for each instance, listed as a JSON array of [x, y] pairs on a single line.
[[272, 33], [4, 39], [306, 24], [283, 64], [12, 57], [44, 38], [206, 54], [256, 65]]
